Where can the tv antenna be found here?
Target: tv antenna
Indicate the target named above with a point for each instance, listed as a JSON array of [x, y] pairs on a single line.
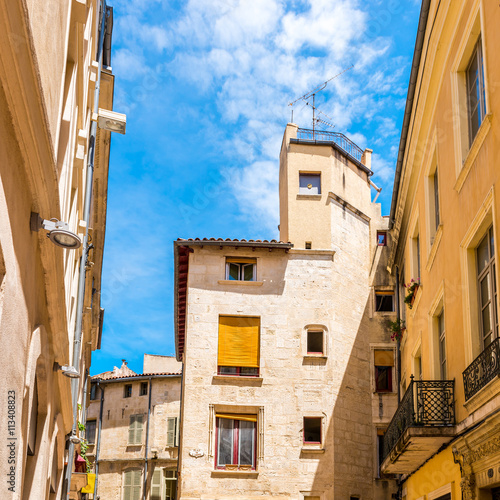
[[312, 93]]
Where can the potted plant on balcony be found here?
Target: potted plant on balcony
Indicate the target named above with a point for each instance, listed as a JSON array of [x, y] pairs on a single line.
[[411, 292], [397, 329]]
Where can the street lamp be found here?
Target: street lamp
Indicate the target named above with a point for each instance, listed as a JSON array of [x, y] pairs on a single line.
[[58, 231], [69, 371]]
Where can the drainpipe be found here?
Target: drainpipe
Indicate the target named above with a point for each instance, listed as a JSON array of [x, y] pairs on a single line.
[[85, 246], [398, 343], [179, 444], [98, 445], [147, 445], [379, 190]]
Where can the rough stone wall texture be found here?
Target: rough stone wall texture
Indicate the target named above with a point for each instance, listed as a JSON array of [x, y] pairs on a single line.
[[161, 364], [115, 455]]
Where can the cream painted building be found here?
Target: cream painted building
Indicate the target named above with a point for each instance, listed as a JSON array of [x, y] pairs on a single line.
[[51, 69], [445, 436], [288, 367], [133, 430]]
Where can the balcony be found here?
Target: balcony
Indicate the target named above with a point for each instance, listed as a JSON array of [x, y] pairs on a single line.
[[423, 422], [327, 136], [481, 372]]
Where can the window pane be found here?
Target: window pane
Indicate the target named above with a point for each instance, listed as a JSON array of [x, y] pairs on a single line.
[[248, 272], [90, 430], [492, 243], [487, 319], [247, 432], [309, 184], [485, 290], [436, 200], [315, 342], [225, 451], [228, 370], [249, 371], [234, 271], [383, 378], [384, 303], [482, 255]]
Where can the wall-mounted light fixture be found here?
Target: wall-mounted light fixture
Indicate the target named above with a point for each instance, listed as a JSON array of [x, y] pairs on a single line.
[[69, 371], [112, 121], [73, 438], [58, 231]]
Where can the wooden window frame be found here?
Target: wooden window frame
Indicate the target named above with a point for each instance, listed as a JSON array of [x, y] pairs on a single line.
[[127, 391], [235, 446]]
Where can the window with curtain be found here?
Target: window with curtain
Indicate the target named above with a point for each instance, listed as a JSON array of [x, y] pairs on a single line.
[[442, 346], [90, 427], [236, 440], [132, 481], [239, 343]]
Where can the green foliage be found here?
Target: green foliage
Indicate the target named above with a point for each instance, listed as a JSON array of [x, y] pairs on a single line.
[[397, 329]]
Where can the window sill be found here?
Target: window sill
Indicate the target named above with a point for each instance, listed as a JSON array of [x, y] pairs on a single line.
[[311, 449], [473, 151], [315, 356], [238, 282], [308, 197], [237, 380], [434, 247], [250, 474]]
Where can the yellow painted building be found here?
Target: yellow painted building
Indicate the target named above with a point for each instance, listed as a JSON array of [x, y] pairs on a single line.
[[444, 439]]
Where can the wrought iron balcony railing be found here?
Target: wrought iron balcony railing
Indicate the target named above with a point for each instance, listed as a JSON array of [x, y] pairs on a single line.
[[324, 135], [428, 403], [482, 370]]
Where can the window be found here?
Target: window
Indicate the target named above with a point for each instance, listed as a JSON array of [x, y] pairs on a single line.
[[415, 254], [238, 352], [442, 346], [90, 427], [380, 450], [132, 480], [308, 245], [127, 391], [309, 183], [172, 432], [476, 96], [135, 430], [437, 217], [382, 238], [384, 363], [93, 391], [144, 389], [486, 281], [163, 484], [33, 421], [236, 441], [315, 342], [312, 430], [240, 269], [384, 301]]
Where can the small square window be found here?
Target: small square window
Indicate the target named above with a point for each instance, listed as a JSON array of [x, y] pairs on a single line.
[[384, 301], [382, 238], [312, 430], [127, 392], [308, 245], [315, 342], [309, 183], [144, 388], [240, 269]]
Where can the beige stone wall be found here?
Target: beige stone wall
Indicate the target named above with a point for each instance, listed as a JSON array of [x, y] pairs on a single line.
[[329, 288], [44, 108], [115, 455], [161, 364]]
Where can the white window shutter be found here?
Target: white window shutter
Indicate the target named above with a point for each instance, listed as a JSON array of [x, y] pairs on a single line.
[[156, 484], [177, 425], [171, 424], [137, 485], [131, 430], [127, 485], [138, 429]]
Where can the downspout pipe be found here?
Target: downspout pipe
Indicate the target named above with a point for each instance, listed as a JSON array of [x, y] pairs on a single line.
[[179, 444], [417, 55], [83, 259], [98, 445], [147, 444]]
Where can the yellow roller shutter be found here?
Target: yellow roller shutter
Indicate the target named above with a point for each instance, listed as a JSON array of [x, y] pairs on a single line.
[[384, 358], [241, 260], [238, 341], [237, 416]]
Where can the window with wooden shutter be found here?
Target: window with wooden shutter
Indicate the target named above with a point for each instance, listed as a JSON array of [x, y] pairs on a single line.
[[238, 352], [156, 484], [132, 485], [171, 431], [135, 430]]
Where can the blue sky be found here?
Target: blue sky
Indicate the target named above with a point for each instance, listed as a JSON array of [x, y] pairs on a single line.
[[205, 85]]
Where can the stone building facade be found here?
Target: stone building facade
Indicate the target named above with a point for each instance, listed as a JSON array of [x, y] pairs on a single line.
[[289, 375], [132, 428], [49, 72], [445, 437]]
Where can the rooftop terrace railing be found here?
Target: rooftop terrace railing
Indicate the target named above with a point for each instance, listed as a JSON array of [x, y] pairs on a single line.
[[428, 403], [341, 140]]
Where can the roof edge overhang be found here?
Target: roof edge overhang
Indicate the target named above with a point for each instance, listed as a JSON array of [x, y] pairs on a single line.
[[417, 57], [134, 377]]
